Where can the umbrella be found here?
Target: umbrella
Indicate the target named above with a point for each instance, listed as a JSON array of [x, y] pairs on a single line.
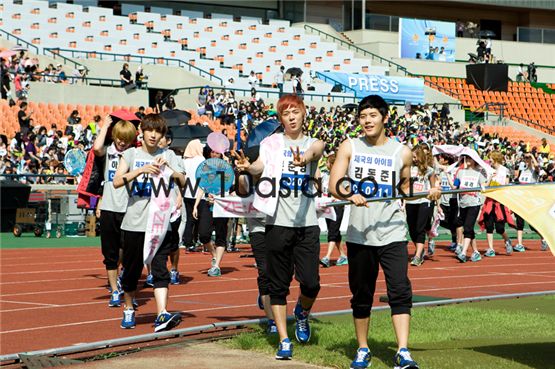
[[19, 48], [176, 117], [7, 53], [261, 131], [294, 71], [123, 114], [182, 135]]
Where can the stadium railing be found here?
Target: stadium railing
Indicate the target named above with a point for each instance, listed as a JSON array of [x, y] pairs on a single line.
[[132, 58]]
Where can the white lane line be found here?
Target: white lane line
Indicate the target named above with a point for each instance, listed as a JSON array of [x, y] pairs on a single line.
[[29, 303], [212, 308]]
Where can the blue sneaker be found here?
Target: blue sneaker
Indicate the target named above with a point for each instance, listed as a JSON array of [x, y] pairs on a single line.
[[272, 328], [490, 253], [114, 299], [259, 302], [166, 321], [544, 246], [325, 262], [342, 261], [475, 256], [362, 359], [214, 272], [174, 276], [302, 327], [452, 246], [403, 360], [461, 257], [149, 282], [519, 248], [509, 247], [128, 321], [285, 350]]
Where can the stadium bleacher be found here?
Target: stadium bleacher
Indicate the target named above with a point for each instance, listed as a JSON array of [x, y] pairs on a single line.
[[220, 45]]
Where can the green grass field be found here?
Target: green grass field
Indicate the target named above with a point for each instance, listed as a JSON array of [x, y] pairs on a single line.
[[28, 240], [508, 334]]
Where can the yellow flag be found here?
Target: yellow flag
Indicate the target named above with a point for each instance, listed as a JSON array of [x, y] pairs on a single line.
[[534, 203]]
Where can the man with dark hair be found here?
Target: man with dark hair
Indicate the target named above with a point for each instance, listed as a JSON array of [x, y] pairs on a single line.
[[376, 235], [24, 119]]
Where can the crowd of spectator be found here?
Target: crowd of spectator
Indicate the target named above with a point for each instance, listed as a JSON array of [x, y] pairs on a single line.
[[22, 70], [36, 150]]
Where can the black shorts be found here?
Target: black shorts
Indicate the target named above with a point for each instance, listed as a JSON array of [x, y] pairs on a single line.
[[111, 237]]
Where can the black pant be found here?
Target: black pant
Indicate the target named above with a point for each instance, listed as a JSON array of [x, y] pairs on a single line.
[[467, 220], [207, 223], [334, 233], [364, 265], [173, 234], [451, 212], [133, 261], [491, 221], [259, 250], [292, 250], [191, 224], [111, 237], [418, 219]]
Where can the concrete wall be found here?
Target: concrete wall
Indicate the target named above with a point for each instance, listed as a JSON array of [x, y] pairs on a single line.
[[77, 94]]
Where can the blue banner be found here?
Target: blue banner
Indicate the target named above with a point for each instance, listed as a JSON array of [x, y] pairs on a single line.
[[393, 89], [427, 39]]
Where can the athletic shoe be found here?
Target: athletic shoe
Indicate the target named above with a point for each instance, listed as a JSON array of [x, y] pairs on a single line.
[[544, 246], [191, 248], [182, 245], [509, 247], [458, 249], [214, 272], [342, 261], [135, 303], [259, 302], [403, 360], [362, 359], [416, 261], [302, 327], [166, 321], [128, 321], [452, 246], [114, 299], [149, 282], [174, 276], [431, 247], [272, 328], [461, 257], [490, 253], [519, 248], [285, 350], [475, 256], [325, 262]]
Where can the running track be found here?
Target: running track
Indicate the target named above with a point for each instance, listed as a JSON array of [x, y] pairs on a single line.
[[57, 297]]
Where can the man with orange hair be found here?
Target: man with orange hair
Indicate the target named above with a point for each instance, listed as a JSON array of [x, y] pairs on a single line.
[[292, 231]]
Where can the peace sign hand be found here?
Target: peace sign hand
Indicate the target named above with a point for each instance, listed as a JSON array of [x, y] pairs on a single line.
[[298, 159], [242, 162]]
